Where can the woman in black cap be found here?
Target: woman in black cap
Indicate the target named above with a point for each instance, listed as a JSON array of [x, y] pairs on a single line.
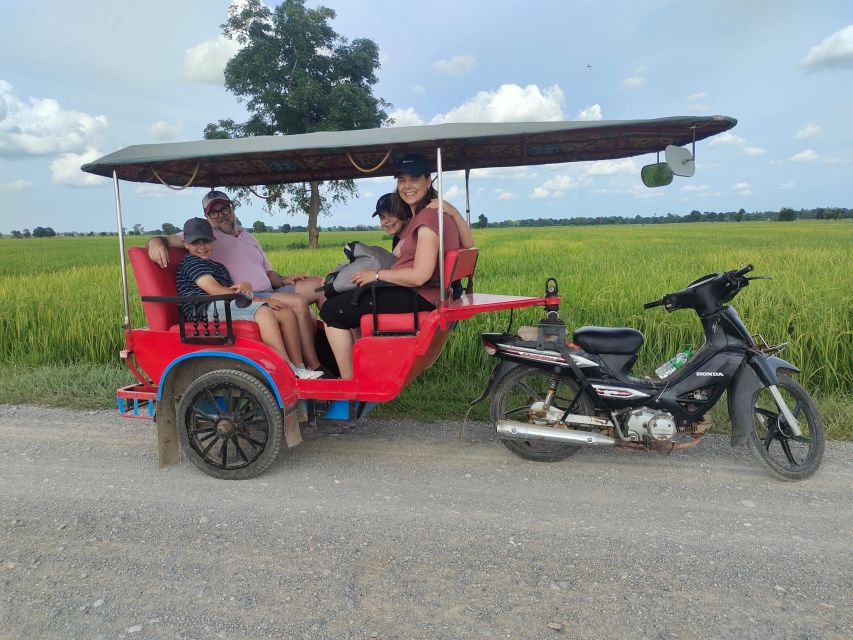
[[416, 265]]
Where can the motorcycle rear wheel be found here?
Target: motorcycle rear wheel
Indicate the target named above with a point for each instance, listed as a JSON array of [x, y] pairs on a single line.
[[514, 398], [789, 457]]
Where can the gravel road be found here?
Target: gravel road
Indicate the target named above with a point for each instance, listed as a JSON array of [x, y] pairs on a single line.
[[399, 531]]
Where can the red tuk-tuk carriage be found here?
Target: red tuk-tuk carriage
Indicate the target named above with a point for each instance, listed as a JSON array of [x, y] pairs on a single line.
[[229, 399]]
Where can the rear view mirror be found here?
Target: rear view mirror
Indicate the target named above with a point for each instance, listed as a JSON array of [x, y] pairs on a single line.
[[656, 175], [680, 161]]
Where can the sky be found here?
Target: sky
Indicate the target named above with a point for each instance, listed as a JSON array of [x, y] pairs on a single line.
[[79, 80]]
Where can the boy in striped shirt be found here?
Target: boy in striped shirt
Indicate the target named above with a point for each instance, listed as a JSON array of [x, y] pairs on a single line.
[[199, 275]]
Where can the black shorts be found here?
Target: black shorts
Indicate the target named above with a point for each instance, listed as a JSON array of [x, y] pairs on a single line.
[[340, 312]]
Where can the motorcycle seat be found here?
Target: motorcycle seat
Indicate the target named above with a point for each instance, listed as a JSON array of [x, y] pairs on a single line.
[[623, 341]]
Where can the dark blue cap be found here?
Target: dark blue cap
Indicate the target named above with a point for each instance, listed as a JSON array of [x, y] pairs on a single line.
[[413, 164]]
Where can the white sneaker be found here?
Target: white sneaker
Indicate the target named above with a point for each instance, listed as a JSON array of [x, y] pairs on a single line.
[[307, 374]]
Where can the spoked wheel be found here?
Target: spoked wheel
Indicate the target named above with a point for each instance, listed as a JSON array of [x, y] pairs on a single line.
[[229, 425], [789, 457], [533, 396]]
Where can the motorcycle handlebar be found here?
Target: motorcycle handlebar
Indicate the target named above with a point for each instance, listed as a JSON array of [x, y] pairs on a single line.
[[656, 303], [744, 271]]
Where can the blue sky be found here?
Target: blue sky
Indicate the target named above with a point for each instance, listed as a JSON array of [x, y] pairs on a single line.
[[82, 79]]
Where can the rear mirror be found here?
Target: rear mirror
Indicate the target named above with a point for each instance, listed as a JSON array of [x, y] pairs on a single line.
[[680, 161], [656, 175]]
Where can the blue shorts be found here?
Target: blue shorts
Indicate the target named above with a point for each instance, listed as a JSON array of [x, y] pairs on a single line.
[[247, 313]]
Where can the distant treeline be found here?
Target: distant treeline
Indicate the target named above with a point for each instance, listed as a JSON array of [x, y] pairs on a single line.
[[785, 214]]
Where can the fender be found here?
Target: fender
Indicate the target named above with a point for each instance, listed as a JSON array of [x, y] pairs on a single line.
[[758, 372], [220, 354], [503, 367]]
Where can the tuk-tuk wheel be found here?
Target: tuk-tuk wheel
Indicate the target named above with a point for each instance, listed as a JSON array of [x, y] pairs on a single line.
[[229, 424]]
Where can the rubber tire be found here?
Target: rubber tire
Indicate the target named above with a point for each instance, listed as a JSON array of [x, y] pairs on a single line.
[[536, 451], [813, 459], [251, 388]]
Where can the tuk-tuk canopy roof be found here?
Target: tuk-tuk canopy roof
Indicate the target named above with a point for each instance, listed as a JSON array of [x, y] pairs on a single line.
[[336, 155]]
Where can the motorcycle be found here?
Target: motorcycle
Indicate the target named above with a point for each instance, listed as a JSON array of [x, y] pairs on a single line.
[[550, 397]]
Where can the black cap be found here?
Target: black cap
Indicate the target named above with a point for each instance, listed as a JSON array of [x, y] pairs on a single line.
[[413, 164], [197, 229], [384, 204]]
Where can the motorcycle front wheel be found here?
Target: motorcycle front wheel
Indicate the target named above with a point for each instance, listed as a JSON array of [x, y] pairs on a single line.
[[522, 396], [788, 456]]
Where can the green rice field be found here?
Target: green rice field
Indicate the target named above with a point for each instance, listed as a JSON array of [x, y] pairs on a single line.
[[61, 310]]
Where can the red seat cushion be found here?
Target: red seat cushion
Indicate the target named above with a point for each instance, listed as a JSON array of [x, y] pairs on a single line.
[[392, 322], [152, 280]]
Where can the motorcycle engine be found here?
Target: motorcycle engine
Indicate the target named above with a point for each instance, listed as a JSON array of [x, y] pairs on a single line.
[[646, 423]]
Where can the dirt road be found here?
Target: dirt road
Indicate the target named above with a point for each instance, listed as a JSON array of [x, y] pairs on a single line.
[[399, 531]]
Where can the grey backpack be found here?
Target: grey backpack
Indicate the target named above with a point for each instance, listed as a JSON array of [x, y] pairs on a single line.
[[362, 257]]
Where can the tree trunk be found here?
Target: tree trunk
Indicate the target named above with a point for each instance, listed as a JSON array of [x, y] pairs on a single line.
[[313, 231]]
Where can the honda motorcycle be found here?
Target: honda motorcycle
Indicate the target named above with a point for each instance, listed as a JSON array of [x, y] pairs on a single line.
[[550, 396]]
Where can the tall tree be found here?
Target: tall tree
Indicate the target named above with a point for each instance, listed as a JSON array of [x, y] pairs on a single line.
[[297, 75]]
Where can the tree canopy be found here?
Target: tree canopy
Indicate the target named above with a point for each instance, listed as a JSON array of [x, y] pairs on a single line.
[[296, 74]]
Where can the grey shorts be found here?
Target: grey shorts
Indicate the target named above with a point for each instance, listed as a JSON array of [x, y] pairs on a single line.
[[247, 313], [266, 293]]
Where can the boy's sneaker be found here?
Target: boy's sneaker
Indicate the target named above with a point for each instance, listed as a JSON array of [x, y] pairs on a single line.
[[307, 374]]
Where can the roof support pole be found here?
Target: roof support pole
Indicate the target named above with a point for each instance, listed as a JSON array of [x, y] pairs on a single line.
[[442, 292], [467, 197], [121, 251]]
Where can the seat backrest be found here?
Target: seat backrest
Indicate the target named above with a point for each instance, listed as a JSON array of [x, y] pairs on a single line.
[[460, 263], [152, 280]]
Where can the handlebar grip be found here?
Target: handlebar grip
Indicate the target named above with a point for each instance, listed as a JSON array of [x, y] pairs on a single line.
[[656, 303], [744, 271]]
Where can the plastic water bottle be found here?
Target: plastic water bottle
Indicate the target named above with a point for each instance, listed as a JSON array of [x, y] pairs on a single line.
[[668, 367]]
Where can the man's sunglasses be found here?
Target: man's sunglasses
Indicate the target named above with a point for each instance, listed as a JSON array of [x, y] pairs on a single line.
[[216, 213]]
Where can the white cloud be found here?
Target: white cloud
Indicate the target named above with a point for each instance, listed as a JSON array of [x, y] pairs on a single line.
[[807, 132], [787, 185], [644, 193], [504, 195], [66, 170], [835, 52], [727, 139], [41, 126], [165, 131], [406, 118], [454, 191], [742, 185], [743, 189], [696, 96], [560, 183], [510, 103], [456, 66], [754, 151], [419, 89], [804, 156], [695, 188], [634, 81], [206, 62], [836, 161], [590, 113], [623, 166], [508, 173], [17, 185], [151, 191], [539, 192]]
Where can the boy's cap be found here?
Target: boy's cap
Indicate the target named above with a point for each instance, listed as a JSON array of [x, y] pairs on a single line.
[[413, 164], [197, 229], [384, 204], [213, 197]]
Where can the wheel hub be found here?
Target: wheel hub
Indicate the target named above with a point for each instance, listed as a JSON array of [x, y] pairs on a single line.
[[224, 428]]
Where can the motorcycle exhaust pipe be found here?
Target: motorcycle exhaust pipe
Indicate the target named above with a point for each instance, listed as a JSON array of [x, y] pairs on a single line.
[[512, 430]]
